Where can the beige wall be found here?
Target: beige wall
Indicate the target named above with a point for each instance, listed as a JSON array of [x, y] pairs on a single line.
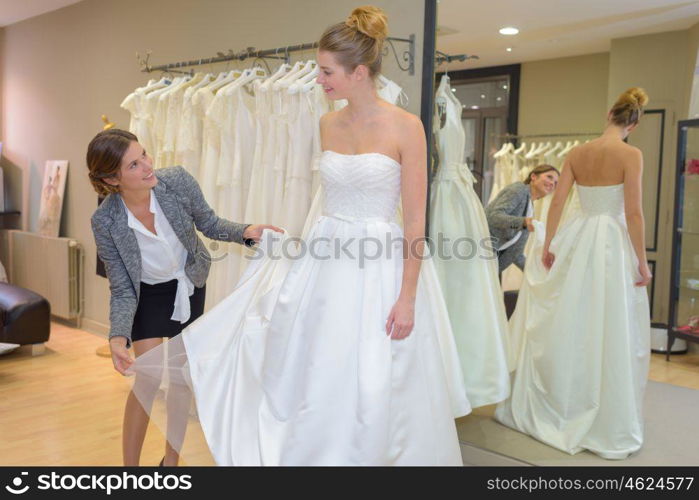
[[62, 70], [692, 69], [566, 95], [2, 43]]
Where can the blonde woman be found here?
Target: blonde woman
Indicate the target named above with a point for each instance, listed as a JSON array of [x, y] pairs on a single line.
[[582, 317], [335, 359]]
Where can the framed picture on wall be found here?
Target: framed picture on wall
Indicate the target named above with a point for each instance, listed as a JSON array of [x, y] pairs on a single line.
[[52, 189]]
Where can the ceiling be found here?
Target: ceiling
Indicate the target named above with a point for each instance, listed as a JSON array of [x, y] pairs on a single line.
[[13, 11], [550, 28]]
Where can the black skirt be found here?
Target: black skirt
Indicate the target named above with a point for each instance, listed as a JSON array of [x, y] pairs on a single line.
[[155, 306]]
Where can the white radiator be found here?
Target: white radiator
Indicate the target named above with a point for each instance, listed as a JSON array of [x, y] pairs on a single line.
[[51, 267]]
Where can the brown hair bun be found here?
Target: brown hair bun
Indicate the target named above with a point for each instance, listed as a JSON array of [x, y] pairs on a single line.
[[370, 21]]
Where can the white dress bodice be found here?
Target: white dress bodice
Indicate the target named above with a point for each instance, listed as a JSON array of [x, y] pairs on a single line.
[[361, 186], [602, 200]]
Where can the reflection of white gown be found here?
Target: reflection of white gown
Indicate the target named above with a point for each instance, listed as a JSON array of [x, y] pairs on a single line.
[[295, 367], [582, 331], [471, 287]]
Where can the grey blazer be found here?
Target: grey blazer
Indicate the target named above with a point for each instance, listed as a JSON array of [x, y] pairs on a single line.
[[185, 208], [505, 215]]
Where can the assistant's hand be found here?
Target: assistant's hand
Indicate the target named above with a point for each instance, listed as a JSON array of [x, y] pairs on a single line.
[[529, 224], [401, 320], [120, 354], [254, 232]]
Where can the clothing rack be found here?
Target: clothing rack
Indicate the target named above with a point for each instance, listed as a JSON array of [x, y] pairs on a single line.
[[442, 57], [532, 136], [281, 53]]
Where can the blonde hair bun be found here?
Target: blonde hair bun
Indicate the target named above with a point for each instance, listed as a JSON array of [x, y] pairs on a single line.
[[370, 21], [628, 108], [635, 96]]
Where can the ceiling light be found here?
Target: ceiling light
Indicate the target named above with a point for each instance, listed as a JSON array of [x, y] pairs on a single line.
[[509, 30], [453, 89], [509, 49], [482, 96], [504, 87], [474, 107], [499, 99]]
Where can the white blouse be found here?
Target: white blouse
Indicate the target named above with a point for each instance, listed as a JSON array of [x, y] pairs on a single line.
[[163, 257]]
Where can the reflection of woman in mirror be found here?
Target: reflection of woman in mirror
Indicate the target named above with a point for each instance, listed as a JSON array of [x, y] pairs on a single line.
[[50, 216]]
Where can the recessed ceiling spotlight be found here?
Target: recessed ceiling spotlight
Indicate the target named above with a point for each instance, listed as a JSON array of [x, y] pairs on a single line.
[[482, 96], [474, 107], [499, 99], [509, 49], [509, 30], [453, 89], [504, 87]]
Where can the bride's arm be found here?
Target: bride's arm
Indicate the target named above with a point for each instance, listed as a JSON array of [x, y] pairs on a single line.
[[633, 210], [560, 195], [413, 152]]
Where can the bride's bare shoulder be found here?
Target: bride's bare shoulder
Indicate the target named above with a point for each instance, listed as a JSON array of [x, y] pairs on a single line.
[[401, 120], [328, 119]]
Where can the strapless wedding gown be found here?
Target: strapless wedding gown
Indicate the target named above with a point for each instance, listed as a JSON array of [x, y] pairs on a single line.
[[582, 332], [295, 367]]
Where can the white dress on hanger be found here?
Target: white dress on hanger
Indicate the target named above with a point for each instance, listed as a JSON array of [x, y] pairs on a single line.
[[259, 204], [471, 287], [141, 118], [295, 367], [280, 108], [582, 335], [233, 113], [189, 135], [299, 172]]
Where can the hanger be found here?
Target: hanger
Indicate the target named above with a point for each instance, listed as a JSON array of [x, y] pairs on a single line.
[[157, 93], [206, 80], [569, 146], [521, 148], [307, 67], [306, 83], [216, 86], [281, 71], [506, 148], [289, 77], [248, 76], [163, 82], [543, 146]]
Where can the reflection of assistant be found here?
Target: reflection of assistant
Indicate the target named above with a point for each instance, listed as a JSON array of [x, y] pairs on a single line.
[[510, 214], [50, 215]]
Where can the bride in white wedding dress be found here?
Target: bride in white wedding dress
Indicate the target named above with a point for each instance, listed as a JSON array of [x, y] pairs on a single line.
[[333, 357], [582, 322]]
